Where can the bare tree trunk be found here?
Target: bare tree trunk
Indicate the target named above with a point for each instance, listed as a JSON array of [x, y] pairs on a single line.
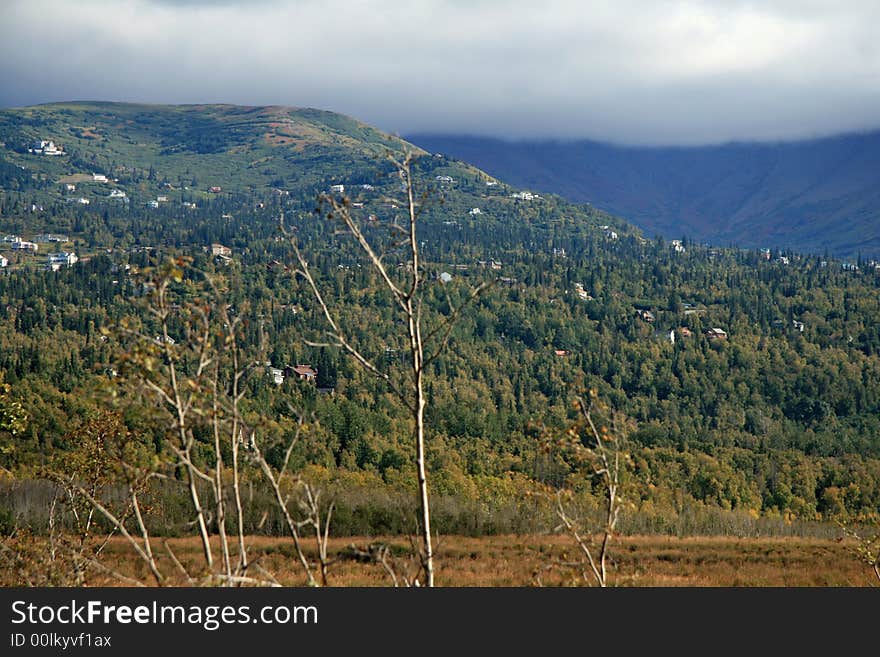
[[424, 348], [428, 555]]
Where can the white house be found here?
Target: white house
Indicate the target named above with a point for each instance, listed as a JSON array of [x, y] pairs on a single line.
[[64, 258], [277, 375], [82, 201], [153, 204], [475, 211], [21, 245], [3, 262], [47, 238], [337, 189], [444, 179], [46, 147], [70, 187], [117, 193], [99, 177], [524, 196], [11, 239]]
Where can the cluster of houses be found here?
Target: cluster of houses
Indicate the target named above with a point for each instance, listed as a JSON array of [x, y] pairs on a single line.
[[525, 196], [54, 261], [300, 372], [648, 316]]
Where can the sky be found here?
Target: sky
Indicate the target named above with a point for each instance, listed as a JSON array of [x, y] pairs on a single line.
[[626, 71]]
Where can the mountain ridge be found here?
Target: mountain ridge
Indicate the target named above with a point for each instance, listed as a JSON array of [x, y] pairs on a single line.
[[815, 195]]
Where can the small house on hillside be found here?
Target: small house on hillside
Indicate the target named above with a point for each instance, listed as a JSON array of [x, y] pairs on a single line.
[[63, 258], [220, 250], [645, 316], [716, 334], [276, 374], [302, 372]]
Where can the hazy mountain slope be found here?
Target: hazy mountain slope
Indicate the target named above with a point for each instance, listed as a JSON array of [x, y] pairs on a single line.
[[809, 195]]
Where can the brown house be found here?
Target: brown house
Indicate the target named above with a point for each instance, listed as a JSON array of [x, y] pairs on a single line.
[[302, 372]]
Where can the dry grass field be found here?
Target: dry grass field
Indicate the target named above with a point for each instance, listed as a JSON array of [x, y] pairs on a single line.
[[524, 560]]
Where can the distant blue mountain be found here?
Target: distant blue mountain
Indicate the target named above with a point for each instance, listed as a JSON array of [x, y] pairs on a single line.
[[817, 195]]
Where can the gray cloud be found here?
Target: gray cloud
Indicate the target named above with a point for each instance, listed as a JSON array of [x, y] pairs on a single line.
[[637, 71]]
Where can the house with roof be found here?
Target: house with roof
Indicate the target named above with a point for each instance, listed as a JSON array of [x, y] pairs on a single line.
[[716, 333], [220, 250], [276, 374], [46, 147], [3, 262], [21, 245], [302, 372], [62, 259]]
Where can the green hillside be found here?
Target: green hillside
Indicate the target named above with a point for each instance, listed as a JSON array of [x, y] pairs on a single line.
[[238, 148], [776, 422]]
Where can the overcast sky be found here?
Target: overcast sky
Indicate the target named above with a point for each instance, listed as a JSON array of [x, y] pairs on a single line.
[[632, 71]]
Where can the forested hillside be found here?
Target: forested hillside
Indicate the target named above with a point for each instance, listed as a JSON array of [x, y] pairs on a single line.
[[776, 413]]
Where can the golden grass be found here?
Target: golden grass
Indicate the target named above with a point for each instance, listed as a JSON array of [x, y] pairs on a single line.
[[522, 560]]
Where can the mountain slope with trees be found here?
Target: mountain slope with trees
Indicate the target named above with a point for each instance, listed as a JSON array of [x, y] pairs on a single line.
[[774, 418]]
